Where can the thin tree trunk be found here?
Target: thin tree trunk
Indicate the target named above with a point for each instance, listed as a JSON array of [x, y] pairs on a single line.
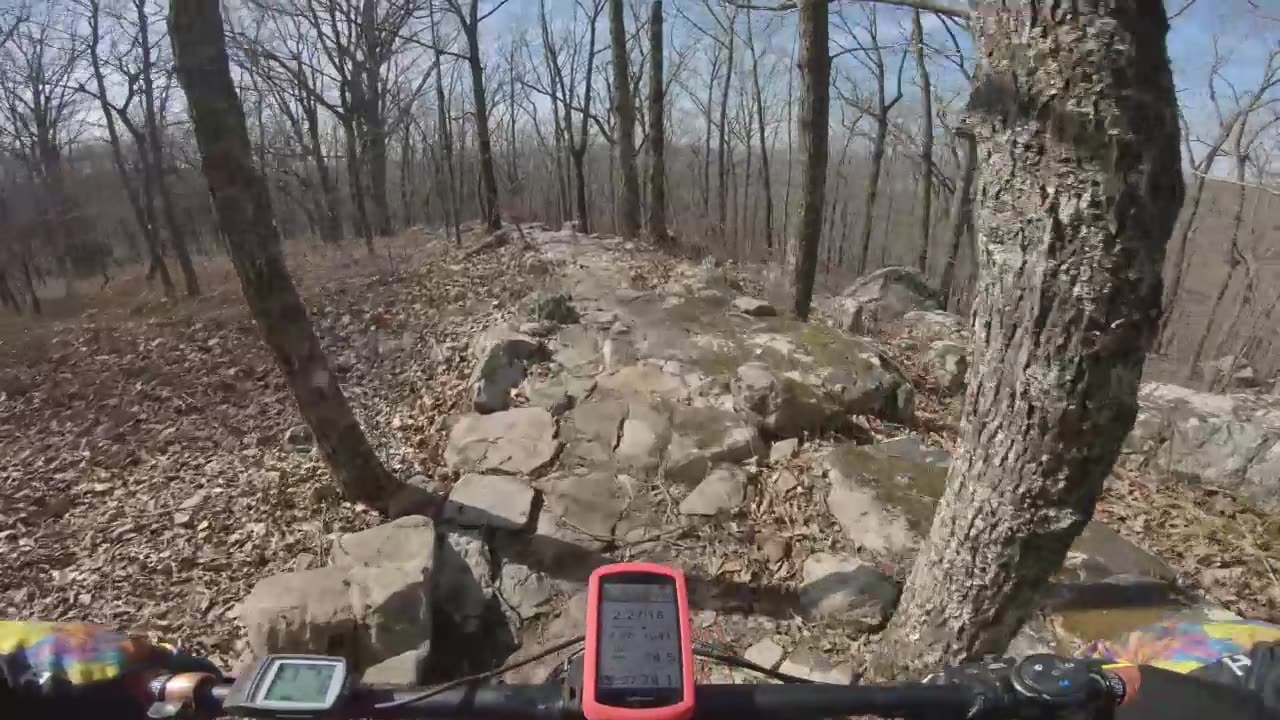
[[355, 178], [625, 111], [960, 219], [331, 227], [657, 130], [484, 142], [786, 195], [452, 211], [407, 180], [765, 177], [36, 307], [873, 189], [1232, 260], [1178, 267], [243, 209], [815, 112], [722, 143], [926, 144], [158, 265], [156, 156], [1080, 189], [706, 141]]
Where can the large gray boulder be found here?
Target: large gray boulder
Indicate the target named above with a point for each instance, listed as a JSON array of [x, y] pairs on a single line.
[[881, 298], [513, 442], [793, 403], [1227, 441], [788, 405], [370, 605]]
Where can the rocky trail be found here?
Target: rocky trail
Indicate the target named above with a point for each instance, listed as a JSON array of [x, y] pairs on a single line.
[[561, 401]]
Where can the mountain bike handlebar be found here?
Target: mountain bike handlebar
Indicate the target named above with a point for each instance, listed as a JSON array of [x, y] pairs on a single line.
[[195, 695]]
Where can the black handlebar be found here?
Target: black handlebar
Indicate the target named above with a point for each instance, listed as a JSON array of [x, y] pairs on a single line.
[[1002, 687], [713, 702]]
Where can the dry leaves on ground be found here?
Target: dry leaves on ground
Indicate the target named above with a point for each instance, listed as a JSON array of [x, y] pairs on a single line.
[[152, 463]]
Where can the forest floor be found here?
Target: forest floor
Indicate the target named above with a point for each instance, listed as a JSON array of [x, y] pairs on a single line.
[[153, 466]]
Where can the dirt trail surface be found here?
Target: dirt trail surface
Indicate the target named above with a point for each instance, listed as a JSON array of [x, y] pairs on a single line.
[[578, 399]]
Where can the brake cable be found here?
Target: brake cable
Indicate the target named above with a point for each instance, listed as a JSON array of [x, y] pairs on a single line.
[[488, 674], [735, 661]]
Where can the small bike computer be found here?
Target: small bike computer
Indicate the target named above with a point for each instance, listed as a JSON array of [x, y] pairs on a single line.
[[288, 686], [639, 651]]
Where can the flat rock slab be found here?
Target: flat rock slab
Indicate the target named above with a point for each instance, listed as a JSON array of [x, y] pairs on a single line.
[[724, 489], [753, 307], [513, 442], [406, 541], [703, 436], [497, 501], [578, 518]]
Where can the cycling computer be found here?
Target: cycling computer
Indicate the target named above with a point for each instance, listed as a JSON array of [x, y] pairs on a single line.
[[288, 686], [639, 652]]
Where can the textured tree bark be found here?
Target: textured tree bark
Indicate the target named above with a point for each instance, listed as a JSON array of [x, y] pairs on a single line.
[[243, 209], [625, 110], [815, 111], [657, 130], [1076, 124], [925, 211]]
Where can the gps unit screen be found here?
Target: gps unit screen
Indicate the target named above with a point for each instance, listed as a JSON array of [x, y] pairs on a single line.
[[301, 683], [639, 657]]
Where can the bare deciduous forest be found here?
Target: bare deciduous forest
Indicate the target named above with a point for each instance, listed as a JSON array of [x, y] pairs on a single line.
[[415, 112], [475, 233]]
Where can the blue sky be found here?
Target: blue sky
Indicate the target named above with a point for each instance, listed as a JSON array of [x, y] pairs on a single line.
[[1244, 37]]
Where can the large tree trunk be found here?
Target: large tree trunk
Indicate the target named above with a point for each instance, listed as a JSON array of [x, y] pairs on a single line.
[[657, 130], [245, 217], [815, 110], [925, 211], [1080, 189], [484, 142], [960, 219], [625, 110]]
